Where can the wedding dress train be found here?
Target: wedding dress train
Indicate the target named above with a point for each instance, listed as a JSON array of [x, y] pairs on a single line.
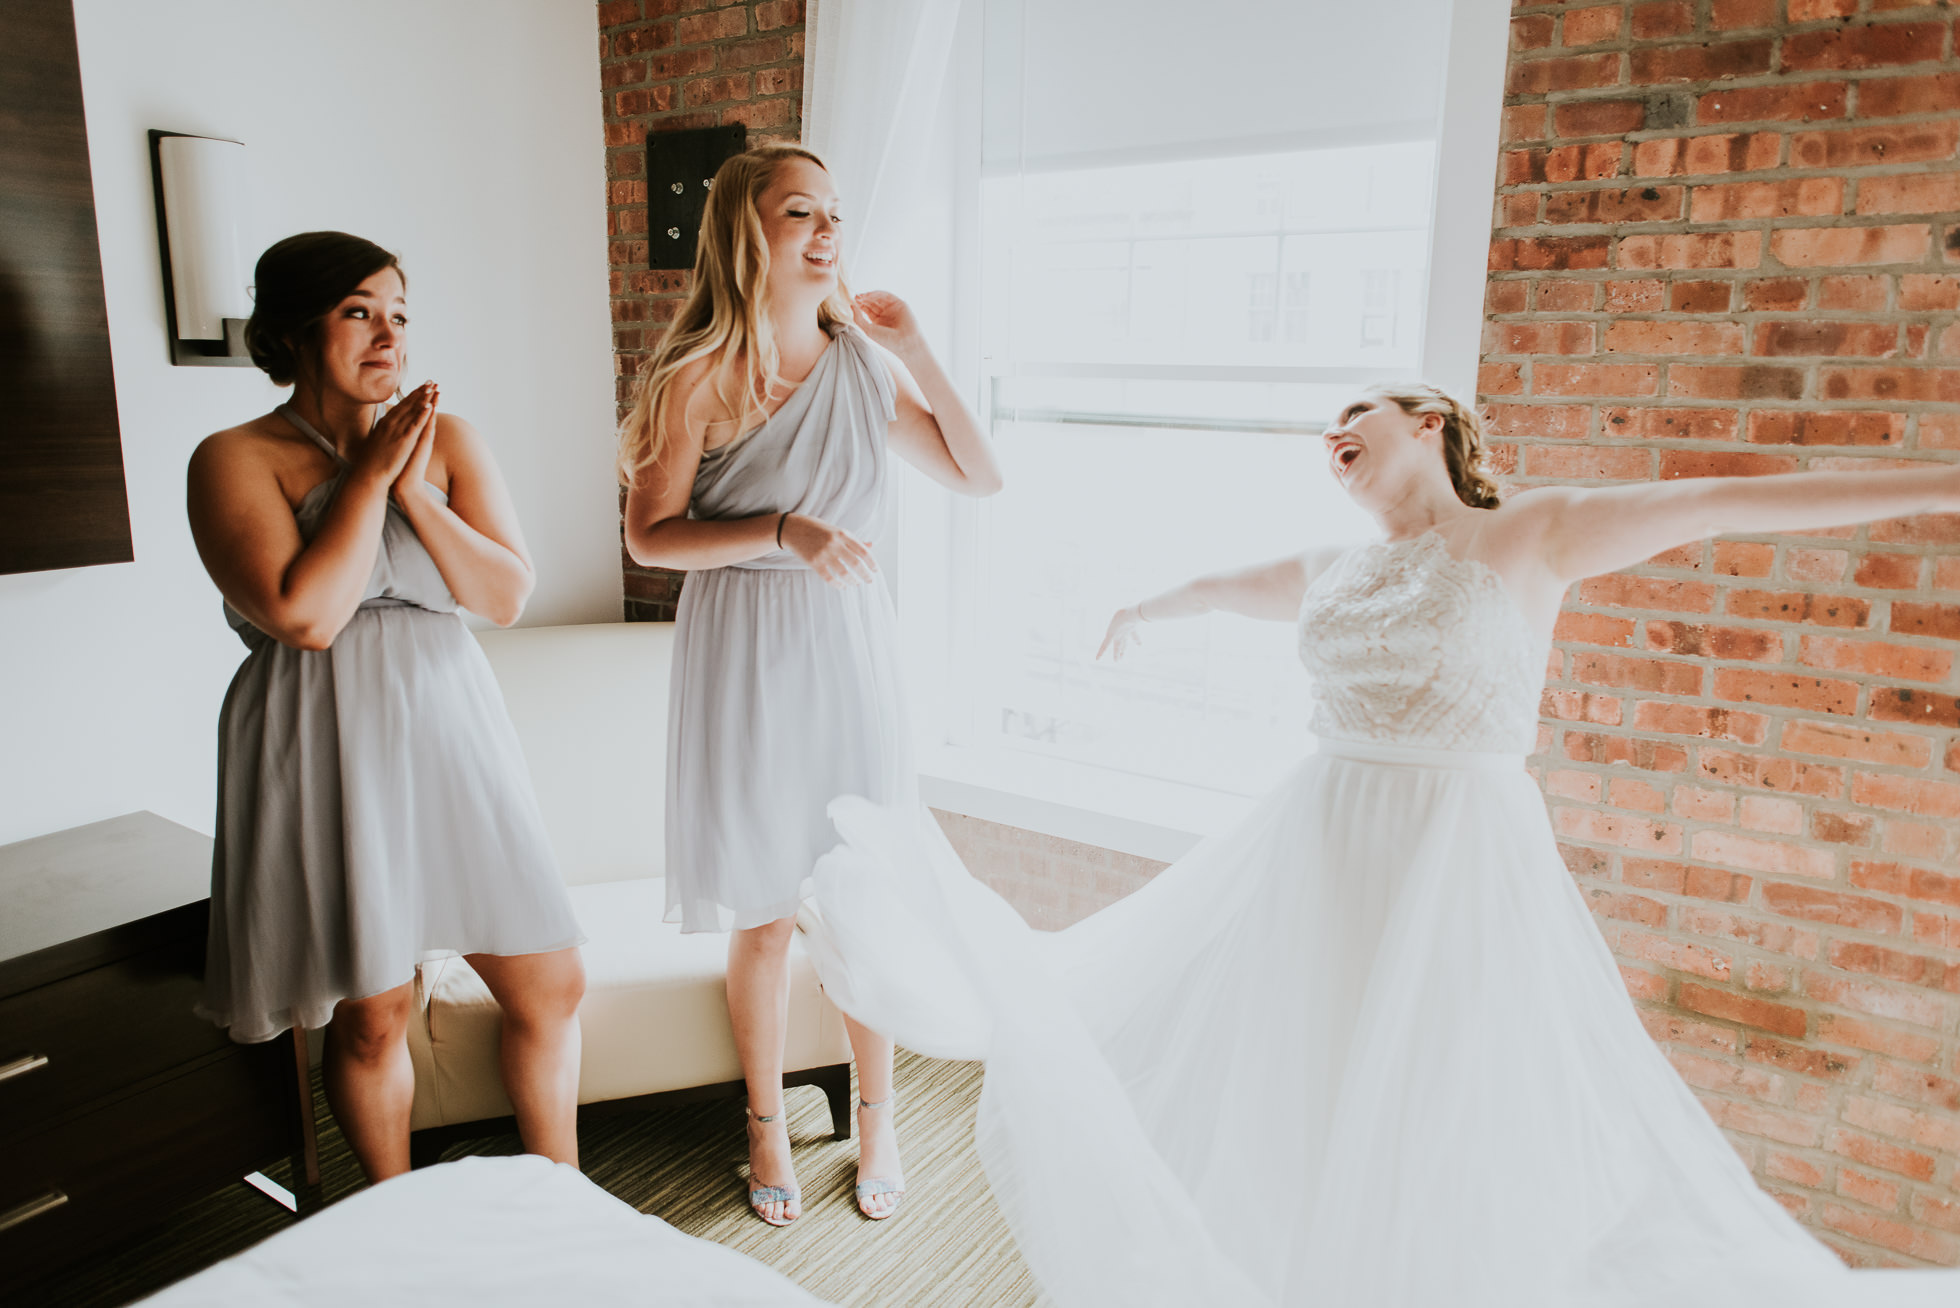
[[1368, 1048]]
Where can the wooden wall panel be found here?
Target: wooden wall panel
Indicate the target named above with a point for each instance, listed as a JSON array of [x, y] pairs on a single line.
[[62, 498]]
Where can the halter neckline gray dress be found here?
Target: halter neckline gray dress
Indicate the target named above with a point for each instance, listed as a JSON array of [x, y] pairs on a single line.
[[374, 808], [785, 690]]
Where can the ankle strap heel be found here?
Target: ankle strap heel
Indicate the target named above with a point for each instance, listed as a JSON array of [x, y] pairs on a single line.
[[771, 1194], [878, 1185]]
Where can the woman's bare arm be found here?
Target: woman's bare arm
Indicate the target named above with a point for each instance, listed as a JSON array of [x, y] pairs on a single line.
[[298, 592], [474, 539], [1583, 532], [659, 534], [934, 431], [1271, 591]]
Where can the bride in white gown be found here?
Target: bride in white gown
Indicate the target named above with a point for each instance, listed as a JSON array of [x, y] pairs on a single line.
[[1368, 1048]]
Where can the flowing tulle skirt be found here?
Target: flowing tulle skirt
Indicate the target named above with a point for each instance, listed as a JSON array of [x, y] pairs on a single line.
[[1367, 1049]]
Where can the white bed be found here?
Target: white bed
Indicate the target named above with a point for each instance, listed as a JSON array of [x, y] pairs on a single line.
[[485, 1232]]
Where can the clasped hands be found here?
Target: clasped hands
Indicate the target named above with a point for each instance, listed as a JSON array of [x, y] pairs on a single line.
[[397, 449]]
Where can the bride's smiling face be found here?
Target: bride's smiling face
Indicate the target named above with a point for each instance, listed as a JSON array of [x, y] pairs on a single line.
[[1375, 448]]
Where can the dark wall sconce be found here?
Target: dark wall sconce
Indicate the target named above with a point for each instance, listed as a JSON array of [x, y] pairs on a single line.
[[200, 194], [680, 171]]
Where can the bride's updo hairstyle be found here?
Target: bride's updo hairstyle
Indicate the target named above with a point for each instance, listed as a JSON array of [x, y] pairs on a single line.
[[726, 313], [295, 286], [1463, 438]]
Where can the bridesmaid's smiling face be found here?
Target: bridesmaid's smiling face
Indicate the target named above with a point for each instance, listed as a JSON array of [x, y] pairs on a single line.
[[798, 210], [363, 341]]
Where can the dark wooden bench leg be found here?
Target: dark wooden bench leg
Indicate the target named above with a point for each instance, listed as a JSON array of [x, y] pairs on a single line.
[[306, 1156], [426, 1146], [425, 1149], [835, 1082]]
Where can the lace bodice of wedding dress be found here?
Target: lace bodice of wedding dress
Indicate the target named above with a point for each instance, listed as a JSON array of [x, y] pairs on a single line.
[[1409, 645]]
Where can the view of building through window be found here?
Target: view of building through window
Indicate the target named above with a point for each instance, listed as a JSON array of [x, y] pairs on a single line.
[[1308, 259]]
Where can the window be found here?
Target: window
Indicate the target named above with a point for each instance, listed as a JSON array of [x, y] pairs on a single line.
[[1158, 381], [1167, 313]]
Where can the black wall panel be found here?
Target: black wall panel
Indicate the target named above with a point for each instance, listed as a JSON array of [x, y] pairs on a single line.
[[62, 499]]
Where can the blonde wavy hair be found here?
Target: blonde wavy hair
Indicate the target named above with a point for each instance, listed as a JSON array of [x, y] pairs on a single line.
[[1463, 438], [726, 315]]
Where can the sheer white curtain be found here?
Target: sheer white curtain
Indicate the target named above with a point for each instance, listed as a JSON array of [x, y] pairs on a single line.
[[873, 73], [880, 105]]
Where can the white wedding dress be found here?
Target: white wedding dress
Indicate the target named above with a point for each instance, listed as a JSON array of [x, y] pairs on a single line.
[[1367, 1049]]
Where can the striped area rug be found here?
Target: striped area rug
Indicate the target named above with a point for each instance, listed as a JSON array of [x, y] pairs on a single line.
[[946, 1247]]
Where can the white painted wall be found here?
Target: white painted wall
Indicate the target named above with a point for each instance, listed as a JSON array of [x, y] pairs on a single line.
[[464, 135]]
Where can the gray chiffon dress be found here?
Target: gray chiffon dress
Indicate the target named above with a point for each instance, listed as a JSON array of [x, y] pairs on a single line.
[[785, 690], [374, 808]]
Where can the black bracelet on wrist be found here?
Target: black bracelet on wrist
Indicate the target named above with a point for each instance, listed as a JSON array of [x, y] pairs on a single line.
[[779, 530]]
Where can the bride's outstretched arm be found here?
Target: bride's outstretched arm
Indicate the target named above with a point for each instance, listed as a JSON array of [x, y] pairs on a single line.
[[1272, 591], [1588, 531]]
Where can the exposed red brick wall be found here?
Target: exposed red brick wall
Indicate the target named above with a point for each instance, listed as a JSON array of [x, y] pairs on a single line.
[[1051, 882], [666, 65], [1726, 241]]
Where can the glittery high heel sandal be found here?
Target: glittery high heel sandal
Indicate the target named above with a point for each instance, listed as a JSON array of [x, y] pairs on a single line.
[[771, 1194], [877, 1185]]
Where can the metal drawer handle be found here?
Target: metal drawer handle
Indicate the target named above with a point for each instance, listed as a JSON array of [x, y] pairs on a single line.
[[21, 1067], [32, 1209]]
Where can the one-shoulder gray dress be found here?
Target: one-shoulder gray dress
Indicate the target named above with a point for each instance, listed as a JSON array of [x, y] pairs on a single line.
[[374, 808], [785, 690]]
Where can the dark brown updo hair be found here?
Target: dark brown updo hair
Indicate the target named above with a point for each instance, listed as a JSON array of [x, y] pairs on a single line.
[[295, 286], [1463, 438]]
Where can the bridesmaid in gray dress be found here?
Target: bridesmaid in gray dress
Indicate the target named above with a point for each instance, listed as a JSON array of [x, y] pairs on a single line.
[[373, 805], [756, 460]]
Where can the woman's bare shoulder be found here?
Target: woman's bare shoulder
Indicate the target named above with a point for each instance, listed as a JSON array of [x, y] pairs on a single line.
[[261, 451], [688, 379], [459, 445], [455, 429], [265, 439], [1527, 512], [707, 393]]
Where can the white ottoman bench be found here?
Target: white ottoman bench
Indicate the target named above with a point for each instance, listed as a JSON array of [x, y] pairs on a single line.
[[590, 706]]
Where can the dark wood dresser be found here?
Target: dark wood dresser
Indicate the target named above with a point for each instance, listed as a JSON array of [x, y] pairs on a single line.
[[118, 1103]]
